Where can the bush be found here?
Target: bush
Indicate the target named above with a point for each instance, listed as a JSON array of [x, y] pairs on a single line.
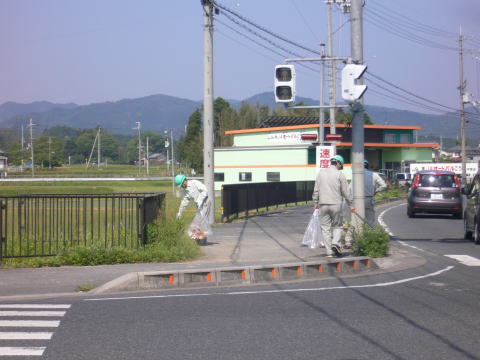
[[372, 242]]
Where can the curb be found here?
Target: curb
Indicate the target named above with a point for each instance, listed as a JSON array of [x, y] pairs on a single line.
[[241, 275]]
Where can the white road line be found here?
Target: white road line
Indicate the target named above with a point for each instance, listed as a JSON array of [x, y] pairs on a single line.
[[17, 335], [22, 351], [32, 313], [382, 223], [465, 259], [30, 323], [34, 306], [411, 246], [436, 273]]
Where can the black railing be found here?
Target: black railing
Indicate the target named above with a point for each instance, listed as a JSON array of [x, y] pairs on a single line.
[[243, 198], [44, 224]]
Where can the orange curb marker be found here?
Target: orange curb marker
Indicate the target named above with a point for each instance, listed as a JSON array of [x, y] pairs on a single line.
[[274, 273], [320, 268], [171, 279], [244, 276], [354, 265], [299, 270], [367, 263], [209, 277], [338, 266]]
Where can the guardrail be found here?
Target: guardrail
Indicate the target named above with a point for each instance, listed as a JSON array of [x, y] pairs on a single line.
[[242, 198], [44, 224]]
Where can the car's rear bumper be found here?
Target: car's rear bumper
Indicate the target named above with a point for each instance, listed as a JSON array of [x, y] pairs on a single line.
[[432, 206]]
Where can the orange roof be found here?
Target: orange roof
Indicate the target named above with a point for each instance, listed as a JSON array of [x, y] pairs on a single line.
[[392, 145], [313, 126]]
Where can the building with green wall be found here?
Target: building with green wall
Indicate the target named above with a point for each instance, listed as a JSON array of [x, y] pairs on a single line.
[[284, 149]]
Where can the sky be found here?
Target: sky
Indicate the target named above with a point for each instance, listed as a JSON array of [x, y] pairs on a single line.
[[94, 51]]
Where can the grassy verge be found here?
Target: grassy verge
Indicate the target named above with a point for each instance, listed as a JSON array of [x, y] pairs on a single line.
[[167, 242]]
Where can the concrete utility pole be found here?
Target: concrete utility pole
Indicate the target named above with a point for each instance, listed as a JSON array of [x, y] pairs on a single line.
[[139, 145], [148, 160], [208, 161], [173, 163], [31, 125], [331, 69], [462, 109], [98, 149], [358, 135], [49, 152], [321, 115]]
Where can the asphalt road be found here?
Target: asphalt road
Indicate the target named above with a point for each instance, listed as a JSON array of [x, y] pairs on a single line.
[[427, 312]]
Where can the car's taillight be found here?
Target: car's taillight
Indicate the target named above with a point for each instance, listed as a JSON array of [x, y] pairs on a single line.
[[457, 182], [416, 181]]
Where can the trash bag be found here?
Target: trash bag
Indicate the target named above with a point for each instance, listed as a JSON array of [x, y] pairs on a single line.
[[200, 227], [313, 237]]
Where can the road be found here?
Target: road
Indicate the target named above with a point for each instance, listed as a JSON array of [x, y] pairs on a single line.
[[426, 312]]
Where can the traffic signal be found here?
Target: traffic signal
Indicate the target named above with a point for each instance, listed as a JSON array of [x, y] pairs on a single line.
[[351, 91], [284, 83]]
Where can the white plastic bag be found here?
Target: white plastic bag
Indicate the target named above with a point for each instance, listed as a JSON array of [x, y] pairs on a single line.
[[200, 227], [313, 237]]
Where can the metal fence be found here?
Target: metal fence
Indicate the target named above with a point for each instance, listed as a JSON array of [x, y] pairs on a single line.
[[44, 224], [242, 198]]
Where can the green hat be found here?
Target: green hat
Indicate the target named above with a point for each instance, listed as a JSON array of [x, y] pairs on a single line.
[[338, 158], [365, 162], [179, 179]]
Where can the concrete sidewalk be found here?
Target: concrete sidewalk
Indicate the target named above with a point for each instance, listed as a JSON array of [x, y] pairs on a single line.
[[267, 239]]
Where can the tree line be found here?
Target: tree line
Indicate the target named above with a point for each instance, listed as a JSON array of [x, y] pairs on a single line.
[[61, 145]]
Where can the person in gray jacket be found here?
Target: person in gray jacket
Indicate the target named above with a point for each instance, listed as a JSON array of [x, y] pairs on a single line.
[[331, 189], [194, 191]]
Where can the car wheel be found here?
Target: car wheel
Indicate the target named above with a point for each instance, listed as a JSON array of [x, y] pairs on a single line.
[[410, 212], [476, 235], [467, 235]]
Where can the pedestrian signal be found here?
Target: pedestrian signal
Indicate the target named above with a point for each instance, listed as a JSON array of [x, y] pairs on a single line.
[[284, 83]]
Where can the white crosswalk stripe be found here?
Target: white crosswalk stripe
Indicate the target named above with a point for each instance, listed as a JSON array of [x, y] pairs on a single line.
[[8, 320], [465, 260]]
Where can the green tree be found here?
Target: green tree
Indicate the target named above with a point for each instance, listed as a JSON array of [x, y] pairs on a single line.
[[191, 145], [45, 144]]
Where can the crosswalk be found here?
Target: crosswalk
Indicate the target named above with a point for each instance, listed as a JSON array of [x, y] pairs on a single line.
[[22, 325], [465, 259]]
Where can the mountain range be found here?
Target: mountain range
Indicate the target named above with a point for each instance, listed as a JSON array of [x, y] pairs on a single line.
[[160, 112]]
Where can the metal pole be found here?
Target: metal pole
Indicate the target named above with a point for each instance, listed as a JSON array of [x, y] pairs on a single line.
[[208, 160], [148, 160], [98, 152], [139, 147], [31, 147], [462, 111], [331, 69], [321, 116], [357, 121], [173, 165], [49, 152]]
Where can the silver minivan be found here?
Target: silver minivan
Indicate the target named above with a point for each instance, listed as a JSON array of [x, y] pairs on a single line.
[[472, 210]]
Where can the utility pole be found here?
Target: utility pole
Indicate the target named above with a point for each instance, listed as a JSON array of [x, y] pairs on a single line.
[[358, 135], [321, 116], [23, 146], [139, 145], [331, 69], [98, 149], [49, 152], [208, 161], [148, 160], [173, 163], [31, 125], [462, 109]]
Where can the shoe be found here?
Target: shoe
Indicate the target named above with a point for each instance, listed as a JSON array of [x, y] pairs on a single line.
[[347, 246], [336, 250]]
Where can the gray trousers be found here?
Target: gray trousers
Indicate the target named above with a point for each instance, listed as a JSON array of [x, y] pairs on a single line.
[[331, 223]]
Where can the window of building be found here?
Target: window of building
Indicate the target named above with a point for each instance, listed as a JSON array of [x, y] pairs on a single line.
[[273, 176], [220, 177], [312, 156], [405, 139], [390, 138], [245, 176]]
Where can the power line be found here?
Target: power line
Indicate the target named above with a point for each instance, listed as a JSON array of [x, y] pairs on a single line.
[[224, 8]]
